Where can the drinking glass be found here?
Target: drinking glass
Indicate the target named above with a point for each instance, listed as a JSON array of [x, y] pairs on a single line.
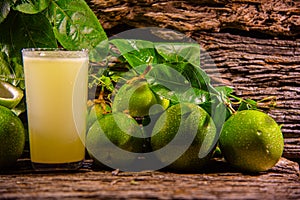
[[56, 96]]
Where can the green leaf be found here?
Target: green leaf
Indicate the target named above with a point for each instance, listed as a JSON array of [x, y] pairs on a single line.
[[185, 58], [99, 52], [179, 52], [197, 77], [170, 84], [177, 75], [26, 31], [219, 113], [5, 6], [136, 52], [20, 31], [168, 77], [226, 90], [4, 67], [11, 71], [18, 73], [196, 96], [106, 81], [31, 6], [247, 104], [75, 25]]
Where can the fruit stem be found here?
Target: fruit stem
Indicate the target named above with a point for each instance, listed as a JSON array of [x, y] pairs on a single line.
[[100, 97], [239, 100], [233, 111], [100, 100], [267, 102], [227, 102], [142, 76], [147, 70]]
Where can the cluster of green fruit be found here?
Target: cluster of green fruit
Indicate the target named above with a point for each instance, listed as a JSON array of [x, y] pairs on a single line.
[[182, 136]]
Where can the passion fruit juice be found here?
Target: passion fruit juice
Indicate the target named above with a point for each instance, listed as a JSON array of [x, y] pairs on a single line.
[[56, 94]]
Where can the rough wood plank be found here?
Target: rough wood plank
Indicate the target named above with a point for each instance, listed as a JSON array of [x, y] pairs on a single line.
[[255, 45], [258, 68], [276, 17], [281, 182]]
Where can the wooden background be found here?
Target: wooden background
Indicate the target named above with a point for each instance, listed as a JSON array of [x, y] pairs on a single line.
[[255, 45]]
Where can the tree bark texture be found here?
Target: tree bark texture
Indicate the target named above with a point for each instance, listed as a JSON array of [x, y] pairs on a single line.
[[255, 45], [274, 17]]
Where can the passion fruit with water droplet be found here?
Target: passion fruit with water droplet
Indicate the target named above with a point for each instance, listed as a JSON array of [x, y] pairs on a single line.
[[251, 141], [183, 137]]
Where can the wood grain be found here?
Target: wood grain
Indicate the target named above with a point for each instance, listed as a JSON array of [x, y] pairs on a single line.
[[275, 17], [222, 182]]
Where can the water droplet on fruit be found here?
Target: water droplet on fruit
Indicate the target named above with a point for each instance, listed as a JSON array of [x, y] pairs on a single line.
[[171, 93], [258, 132]]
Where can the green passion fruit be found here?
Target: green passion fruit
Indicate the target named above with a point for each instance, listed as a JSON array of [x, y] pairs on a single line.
[[136, 98], [251, 141], [194, 131], [110, 139], [12, 137]]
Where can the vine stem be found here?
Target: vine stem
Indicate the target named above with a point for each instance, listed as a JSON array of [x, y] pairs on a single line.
[[227, 103], [233, 111], [100, 98], [142, 76]]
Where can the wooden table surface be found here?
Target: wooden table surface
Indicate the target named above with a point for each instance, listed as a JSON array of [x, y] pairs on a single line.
[[220, 182]]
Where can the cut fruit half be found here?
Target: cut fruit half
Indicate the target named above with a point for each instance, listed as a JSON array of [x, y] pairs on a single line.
[[10, 96]]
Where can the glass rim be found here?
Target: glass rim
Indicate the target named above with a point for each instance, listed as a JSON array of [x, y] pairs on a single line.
[[54, 53], [53, 49]]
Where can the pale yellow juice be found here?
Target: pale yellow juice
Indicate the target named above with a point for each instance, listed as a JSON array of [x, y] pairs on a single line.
[[56, 95]]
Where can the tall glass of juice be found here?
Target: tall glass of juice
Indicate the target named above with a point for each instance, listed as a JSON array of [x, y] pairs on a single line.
[[56, 96]]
